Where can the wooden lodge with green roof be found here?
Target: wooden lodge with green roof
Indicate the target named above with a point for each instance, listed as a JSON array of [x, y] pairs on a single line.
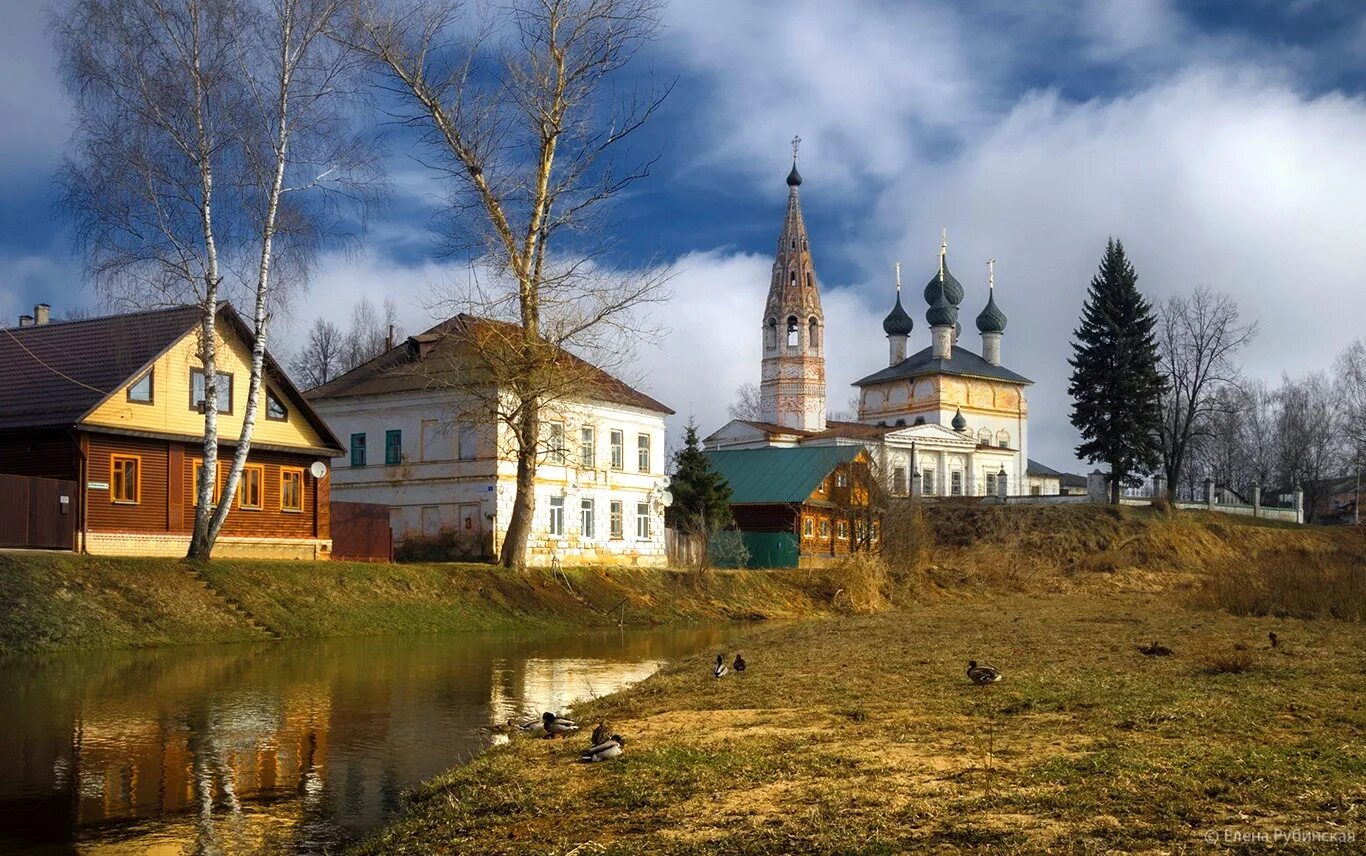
[[803, 506]]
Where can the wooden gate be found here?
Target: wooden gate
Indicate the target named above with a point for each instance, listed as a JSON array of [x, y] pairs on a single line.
[[37, 513], [361, 533]]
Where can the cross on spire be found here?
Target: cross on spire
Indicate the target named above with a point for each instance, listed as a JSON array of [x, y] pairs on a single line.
[[943, 251], [796, 141], [898, 277], [991, 274]]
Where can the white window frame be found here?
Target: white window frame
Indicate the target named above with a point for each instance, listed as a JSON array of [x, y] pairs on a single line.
[[644, 451], [588, 447], [616, 527], [588, 518], [555, 510], [556, 453], [618, 439], [642, 521]]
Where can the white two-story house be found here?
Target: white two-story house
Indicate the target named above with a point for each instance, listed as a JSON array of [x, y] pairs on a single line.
[[420, 443]]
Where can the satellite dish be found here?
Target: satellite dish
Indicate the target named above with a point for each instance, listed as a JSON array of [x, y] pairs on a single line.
[[665, 481], [666, 498], [319, 469]]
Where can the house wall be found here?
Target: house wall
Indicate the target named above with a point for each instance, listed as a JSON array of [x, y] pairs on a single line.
[[161, 520], [432, 489], [1041, 485], [172, 412], [44, 454]]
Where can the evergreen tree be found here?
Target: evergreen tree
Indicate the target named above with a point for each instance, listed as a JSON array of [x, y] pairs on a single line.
[[1116, 383], [701, 495]]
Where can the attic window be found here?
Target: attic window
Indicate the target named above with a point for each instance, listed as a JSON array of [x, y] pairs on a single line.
[[140, 391], [275, 410], [197, 391]]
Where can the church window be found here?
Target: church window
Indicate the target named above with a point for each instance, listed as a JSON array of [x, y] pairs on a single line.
[[899, 481], [984, 436], [810, 279], [927, 481], [771, 334], [815, 337], [1003, 439], [956, 483], [792, 279], [794, 333], [991, 484]]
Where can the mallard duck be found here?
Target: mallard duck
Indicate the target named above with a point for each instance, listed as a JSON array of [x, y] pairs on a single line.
[[557, 726], [982, 675], [720, 670], [529, 725], [1154, 650], [604, 751], [1275, 640], [601, 733], [739, 663]]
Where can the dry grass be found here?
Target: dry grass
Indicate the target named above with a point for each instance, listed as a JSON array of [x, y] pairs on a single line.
[[861, 735], [1289, 581]]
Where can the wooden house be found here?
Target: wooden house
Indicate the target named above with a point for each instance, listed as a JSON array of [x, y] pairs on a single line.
[[801, 506], [112, 404]]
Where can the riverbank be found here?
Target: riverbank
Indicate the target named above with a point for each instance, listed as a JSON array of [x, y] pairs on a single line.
[[863, 735], [61, 601]]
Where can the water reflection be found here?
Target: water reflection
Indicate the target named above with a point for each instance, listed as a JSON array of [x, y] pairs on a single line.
[[290, 747]]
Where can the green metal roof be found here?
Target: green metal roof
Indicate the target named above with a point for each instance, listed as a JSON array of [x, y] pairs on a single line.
[[778, 475]]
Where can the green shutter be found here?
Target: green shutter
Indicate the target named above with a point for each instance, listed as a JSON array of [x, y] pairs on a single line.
[[357, 450], [393, 448]]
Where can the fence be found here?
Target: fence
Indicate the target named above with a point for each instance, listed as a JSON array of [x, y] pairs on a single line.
[[37, 512], [361, 533]]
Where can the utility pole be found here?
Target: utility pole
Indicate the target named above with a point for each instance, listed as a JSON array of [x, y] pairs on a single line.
[[1356, 506]]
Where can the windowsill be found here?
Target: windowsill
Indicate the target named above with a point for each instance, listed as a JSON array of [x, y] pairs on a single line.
[[249, 508], [291, 511], [125, 502]]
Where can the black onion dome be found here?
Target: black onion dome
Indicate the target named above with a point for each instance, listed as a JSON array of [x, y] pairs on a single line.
[[991, 319], [897, 322], [794, 178], [952, 287], [942, 313], [959, 423]]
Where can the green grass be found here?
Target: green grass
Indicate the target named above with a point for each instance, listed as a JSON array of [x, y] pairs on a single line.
[[51, 601], [862, 735]]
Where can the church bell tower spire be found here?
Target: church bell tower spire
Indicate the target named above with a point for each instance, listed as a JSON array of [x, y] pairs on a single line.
[[792, 389]]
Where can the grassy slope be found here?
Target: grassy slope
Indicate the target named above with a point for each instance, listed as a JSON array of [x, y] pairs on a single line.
[[862, 735], [53, 601]]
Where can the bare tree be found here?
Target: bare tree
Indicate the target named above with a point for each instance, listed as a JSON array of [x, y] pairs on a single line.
[[320, 359], [370, 333], [1350, 374], [746, 403], [1198, 337], [1309, 436], [199, 126], [524, 124]]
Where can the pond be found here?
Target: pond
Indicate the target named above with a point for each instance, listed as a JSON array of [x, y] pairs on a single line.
[[288, 747]]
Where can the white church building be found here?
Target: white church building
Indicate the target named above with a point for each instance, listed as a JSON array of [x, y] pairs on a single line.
[[955, 418]]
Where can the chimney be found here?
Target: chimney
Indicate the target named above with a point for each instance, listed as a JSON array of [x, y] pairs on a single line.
[[389, 342], [41, 313], [25, 320]]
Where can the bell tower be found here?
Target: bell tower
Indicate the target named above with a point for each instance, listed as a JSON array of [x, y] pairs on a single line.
[[792, 389]]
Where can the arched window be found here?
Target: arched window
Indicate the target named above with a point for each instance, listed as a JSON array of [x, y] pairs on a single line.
[[792, 245], [792, 278], [984, 437], [794, 333], [771, 334], [814, 336], [1003, 439], [810, 279]]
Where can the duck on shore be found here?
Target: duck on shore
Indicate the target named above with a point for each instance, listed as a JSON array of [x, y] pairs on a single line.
[[604, 751], [601, 733], [557, 726], [983, 675], [739, 664], [720, 670]]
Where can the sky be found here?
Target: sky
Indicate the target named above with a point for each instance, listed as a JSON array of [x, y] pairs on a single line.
[[1223, 143]]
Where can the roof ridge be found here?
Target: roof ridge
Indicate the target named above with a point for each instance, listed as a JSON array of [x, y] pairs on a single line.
[[69, 322]]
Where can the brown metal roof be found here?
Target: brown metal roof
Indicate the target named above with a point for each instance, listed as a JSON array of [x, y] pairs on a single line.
[[52, 375], [433, 360]]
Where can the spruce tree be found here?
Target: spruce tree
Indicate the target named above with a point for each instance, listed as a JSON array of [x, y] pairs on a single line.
[[1116, 384], [701, 495]]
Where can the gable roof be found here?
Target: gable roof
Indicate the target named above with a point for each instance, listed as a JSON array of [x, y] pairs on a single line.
[[778, 475], [1034, 468], [961, 362], [428, 361], [52, 375]]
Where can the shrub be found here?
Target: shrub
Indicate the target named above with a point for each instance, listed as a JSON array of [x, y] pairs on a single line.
[[1289, 582], [1228, 662], [444, 546]]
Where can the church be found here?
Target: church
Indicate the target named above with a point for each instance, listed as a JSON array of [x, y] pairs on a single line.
[[942, 421]]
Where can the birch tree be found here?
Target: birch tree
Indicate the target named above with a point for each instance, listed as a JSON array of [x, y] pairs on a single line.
[[211, 155], [522, 121]]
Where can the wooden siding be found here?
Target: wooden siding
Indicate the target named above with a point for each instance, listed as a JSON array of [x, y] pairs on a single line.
[[170, 411], [167, 504]]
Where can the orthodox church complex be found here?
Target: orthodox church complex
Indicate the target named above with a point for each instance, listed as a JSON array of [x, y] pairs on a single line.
[[952, 419]]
